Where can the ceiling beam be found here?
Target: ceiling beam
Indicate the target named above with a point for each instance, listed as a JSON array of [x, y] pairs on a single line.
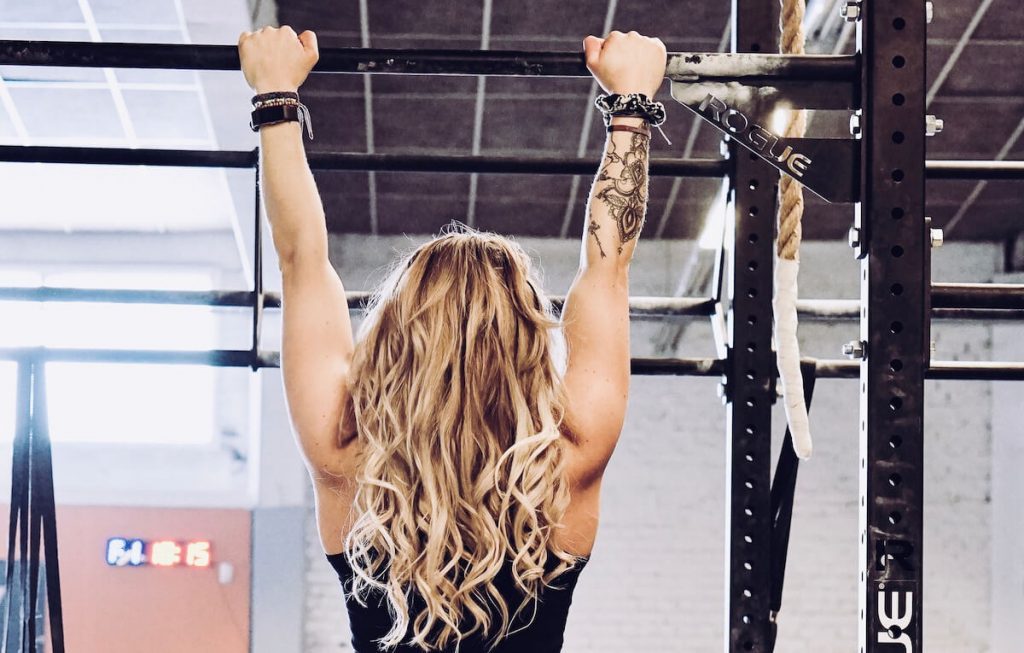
[[588, 116], [478, 112]]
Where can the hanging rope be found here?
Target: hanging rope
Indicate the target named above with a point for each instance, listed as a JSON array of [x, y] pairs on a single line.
[[787, 267]]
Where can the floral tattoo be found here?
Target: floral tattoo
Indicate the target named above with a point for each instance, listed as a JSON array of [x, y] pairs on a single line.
[[626, 195]]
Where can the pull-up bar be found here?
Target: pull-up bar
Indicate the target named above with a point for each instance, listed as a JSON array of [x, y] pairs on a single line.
[[682, 66]]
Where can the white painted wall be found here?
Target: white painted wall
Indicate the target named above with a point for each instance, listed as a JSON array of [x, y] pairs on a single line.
[[1007, 491]]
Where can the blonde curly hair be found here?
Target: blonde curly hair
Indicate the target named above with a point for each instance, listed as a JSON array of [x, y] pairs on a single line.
[[458, 405]]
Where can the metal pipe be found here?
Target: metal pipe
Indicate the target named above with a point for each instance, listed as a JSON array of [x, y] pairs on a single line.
[[352, 161], [638, 306], [358, 161], [825, 369], [979, 170], [938, 370], [809, 309], [265, 359], [215, 358], [677, 367], [684, 66], [978, 295]]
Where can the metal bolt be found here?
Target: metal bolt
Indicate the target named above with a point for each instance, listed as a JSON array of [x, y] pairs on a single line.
[[933, 125], [723, 389], [855, 124], [936, 237], [854, 349], [854, 237], [850, 10], [929, 12], [723, 148]]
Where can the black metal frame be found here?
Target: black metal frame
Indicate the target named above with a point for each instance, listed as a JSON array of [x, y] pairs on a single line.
[[896, 304], [895, 269], [750, 380]]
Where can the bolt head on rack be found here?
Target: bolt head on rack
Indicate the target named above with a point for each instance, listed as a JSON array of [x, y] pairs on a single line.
[[933, 125], [854, 237], [850, 10], [929, 12], [855, 124], [854, 349], [936, 237]]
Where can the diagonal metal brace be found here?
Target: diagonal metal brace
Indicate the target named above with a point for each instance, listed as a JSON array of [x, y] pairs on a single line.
[[828, 167]]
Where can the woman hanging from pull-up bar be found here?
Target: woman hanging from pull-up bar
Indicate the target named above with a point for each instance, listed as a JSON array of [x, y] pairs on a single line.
[[457, 469]]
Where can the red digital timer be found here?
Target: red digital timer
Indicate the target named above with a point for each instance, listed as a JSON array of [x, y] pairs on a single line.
[[125, 552]]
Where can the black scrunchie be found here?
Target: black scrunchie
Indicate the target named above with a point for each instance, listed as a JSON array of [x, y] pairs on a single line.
[[630, 104]]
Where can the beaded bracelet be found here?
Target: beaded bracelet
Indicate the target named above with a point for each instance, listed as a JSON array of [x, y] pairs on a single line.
[[277, 107], [275, 95]]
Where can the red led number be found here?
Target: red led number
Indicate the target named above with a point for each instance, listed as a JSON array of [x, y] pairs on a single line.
[[165, 553], [197, 554]]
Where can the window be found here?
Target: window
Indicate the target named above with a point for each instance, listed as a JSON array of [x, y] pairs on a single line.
[[115, 402]]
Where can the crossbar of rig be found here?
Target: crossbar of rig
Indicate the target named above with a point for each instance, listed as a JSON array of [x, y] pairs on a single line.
[[441, 163], [953, 301], [698, 367], [351, 161], [693, 66]]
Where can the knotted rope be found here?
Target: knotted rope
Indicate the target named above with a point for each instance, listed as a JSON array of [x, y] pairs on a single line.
[[791, 211]]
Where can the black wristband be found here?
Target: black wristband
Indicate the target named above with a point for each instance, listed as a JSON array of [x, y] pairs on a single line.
[[274, 115]]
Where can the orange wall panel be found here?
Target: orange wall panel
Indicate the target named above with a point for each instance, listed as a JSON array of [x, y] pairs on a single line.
[[153, 609]]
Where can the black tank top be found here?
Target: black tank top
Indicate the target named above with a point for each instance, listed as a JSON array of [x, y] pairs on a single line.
[[543, 635]]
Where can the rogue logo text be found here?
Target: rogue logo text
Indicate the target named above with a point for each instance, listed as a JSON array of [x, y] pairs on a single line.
[[895, 603], [755, 136], [895, 620]]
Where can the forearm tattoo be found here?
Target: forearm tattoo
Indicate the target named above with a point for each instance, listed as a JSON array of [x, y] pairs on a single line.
[[626, 195]]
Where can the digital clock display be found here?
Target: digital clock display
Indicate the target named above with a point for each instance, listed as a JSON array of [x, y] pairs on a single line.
[[127, 552]]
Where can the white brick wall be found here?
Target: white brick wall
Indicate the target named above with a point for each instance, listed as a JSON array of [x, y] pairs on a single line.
[[655, 582]]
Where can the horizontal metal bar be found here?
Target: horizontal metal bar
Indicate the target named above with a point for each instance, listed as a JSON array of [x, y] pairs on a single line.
[[971, 371], [354, 161], [677, 367], [849, 309], [638, 306], [685, 66], [978, 295], [752, 68], [976, 170], [213, 357], [358, 161], [117, 296], [945, 370], [243, 358], [938, 370], [808, 309]]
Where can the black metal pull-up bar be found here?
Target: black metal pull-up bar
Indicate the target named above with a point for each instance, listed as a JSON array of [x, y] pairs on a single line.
[[352, 161], [950, 301], [682, 66], [701, 367], [441, 163]]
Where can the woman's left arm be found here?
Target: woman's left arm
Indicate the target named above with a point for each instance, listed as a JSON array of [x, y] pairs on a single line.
[[317, 343]]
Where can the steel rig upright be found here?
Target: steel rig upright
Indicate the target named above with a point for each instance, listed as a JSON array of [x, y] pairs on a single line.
[[750, 386], [895, 270]]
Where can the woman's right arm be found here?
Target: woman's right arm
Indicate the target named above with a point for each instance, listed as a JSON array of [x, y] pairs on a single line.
[[595, 319]]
